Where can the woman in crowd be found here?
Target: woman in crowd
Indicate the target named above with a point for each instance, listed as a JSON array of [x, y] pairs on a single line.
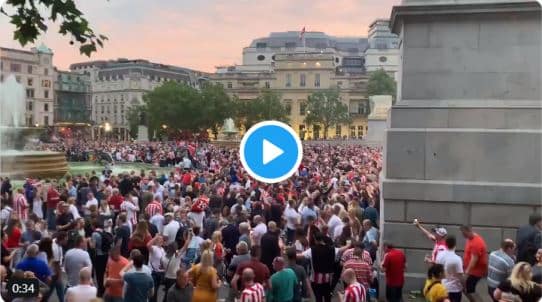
[[13, 233], [434, 290], [105, 211], [170, 263], [205, 279], [139, 239], [218, 251], [519, 286], [537, 267], [156, 252], [46, 249]]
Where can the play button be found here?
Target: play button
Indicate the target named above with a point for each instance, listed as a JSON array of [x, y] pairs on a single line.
[[270, 151]]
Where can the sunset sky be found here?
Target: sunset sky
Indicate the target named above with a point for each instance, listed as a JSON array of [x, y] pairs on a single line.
[[202, 34]]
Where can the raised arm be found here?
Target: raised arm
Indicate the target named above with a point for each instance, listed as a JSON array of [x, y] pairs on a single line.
[[424, 230]]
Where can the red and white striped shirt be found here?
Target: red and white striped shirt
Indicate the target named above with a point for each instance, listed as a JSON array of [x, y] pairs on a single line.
[[153, 208], [355, 292], [254, 293], [20, 206]]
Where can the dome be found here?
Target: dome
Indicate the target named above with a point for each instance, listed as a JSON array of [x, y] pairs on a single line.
[[44, 49]]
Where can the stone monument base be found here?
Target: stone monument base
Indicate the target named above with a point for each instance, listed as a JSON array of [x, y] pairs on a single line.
[[142, 133]]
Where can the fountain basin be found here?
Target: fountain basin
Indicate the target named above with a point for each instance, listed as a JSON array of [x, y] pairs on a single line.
[[43, 164]]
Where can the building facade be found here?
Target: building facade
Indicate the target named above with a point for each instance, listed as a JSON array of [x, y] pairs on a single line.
[[72, 98], [118, 85], [295, 76], [34, 70], [383, 51]]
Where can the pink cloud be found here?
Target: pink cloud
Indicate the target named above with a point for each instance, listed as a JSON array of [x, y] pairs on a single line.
[[205, 34]]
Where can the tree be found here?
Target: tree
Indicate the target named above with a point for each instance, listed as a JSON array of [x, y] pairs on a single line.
[[29, 17], [326, 109], [267, 106], [380, 83], [216, 105], [175, 105]]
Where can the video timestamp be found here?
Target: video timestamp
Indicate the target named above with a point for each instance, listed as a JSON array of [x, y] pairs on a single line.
[[23, 288]]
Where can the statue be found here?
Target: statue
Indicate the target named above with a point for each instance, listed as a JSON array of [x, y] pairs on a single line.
[[228, 128]]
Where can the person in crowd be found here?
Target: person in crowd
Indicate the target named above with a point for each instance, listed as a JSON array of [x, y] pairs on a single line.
[[64, 220], [170, 263], [53, 198], [171, 227], [218, 253], [34, 264], [269, 245], [529, 239], [519, 286], [259, 229], [500, 265], [205, 279], [139, 286], [84, 291], [261, 271], [354, 291], [244, 231], [139, 239], [453, 270], [183, 290], [14, 233], [30, 235], [370, 240], [303, 288], [156, 252], [393, 264], [100, 242], [475, 261], [75, 259], [113, 282], [283, 282], [253, 291], [438, 236], [434, 290], [363, 271], [20, 204], [293, 219], [57, 284], [537, 267]]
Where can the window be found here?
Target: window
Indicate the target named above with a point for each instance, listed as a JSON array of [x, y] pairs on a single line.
[[260, 57], [46, 71], [46, 94], [45, 83], [290, 45], [46, 120], [261, 45], [302, 80], [267, 84], [360, 131], [18, 79], [288, 80], [302, 107], [30, 82], [230, 85], [288, 106], [30, 93], [29, 106], [15, 67], [30, 69], [45, 107], [338, 130], [353, 131], [317, 80]]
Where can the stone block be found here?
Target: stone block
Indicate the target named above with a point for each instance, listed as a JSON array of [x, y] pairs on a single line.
[[509, 234], [394, 210], [501, 215], [416, 35], [437, 212], [406, 235], [419, 118], [415, 260], [405, 154]]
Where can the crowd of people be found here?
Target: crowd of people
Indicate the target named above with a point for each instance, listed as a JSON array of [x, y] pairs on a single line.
[[207, 227]]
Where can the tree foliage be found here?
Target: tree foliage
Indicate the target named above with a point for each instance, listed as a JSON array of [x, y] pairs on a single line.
[[30, 16], [381, 83], [267, 106], [217, 105], [325, 108]]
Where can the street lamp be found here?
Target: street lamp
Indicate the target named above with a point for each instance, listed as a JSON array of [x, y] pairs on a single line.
[[107, 127], [308, 112], [164, 126]]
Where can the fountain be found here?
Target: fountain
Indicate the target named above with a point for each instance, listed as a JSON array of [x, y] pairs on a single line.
[[228, 135], [14, 162]]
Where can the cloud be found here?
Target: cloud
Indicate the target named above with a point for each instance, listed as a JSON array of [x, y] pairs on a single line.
[[205, 33]]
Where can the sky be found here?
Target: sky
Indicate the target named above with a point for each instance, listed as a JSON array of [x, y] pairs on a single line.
[[201, 34]]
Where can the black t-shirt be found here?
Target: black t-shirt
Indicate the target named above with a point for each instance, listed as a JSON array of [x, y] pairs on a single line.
[[230, 235], [532, 295], [64, 219], [122, 234]]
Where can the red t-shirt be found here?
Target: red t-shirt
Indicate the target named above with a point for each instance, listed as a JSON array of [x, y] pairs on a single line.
[[115, 201], [186, 179], [394, 263], [477, 246], [53, 198], [14, 239], [261, 271]]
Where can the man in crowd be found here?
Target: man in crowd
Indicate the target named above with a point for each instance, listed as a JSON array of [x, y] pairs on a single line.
[[354, 291], [261, 271], [84, 291], [283, 282], [453, 269], [253, 291], [34, 264], [474, 261], [182, 291], [393, 264], [438, 237], [139, 285], [112, 277], [75, 259], [500, 265], [363, 271], [270, 246], [529, 239]]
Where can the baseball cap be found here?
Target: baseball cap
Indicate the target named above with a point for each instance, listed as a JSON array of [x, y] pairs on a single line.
[[440, 231]]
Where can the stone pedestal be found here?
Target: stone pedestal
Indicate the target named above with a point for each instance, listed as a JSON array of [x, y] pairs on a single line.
[[376, 121], [142, 133], [463, 144]]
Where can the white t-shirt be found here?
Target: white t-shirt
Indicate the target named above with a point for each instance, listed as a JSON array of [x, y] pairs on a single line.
[[333, 222], [292, 217], [453, 268], [58, 253], [74, 211], [92, 202], [170, 230], [258, 232], [156, 253], [81, 293], [197, 218], [338, 231], [158, 221], [37, 207]]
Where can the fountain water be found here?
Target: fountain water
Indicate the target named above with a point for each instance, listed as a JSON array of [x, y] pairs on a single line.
[[14, 162], [228, 134]]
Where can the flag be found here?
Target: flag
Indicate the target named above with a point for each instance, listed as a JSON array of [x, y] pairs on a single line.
[[302, 34]]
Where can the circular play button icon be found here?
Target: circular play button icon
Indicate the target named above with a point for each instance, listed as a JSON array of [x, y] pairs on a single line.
[[271, 151]]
